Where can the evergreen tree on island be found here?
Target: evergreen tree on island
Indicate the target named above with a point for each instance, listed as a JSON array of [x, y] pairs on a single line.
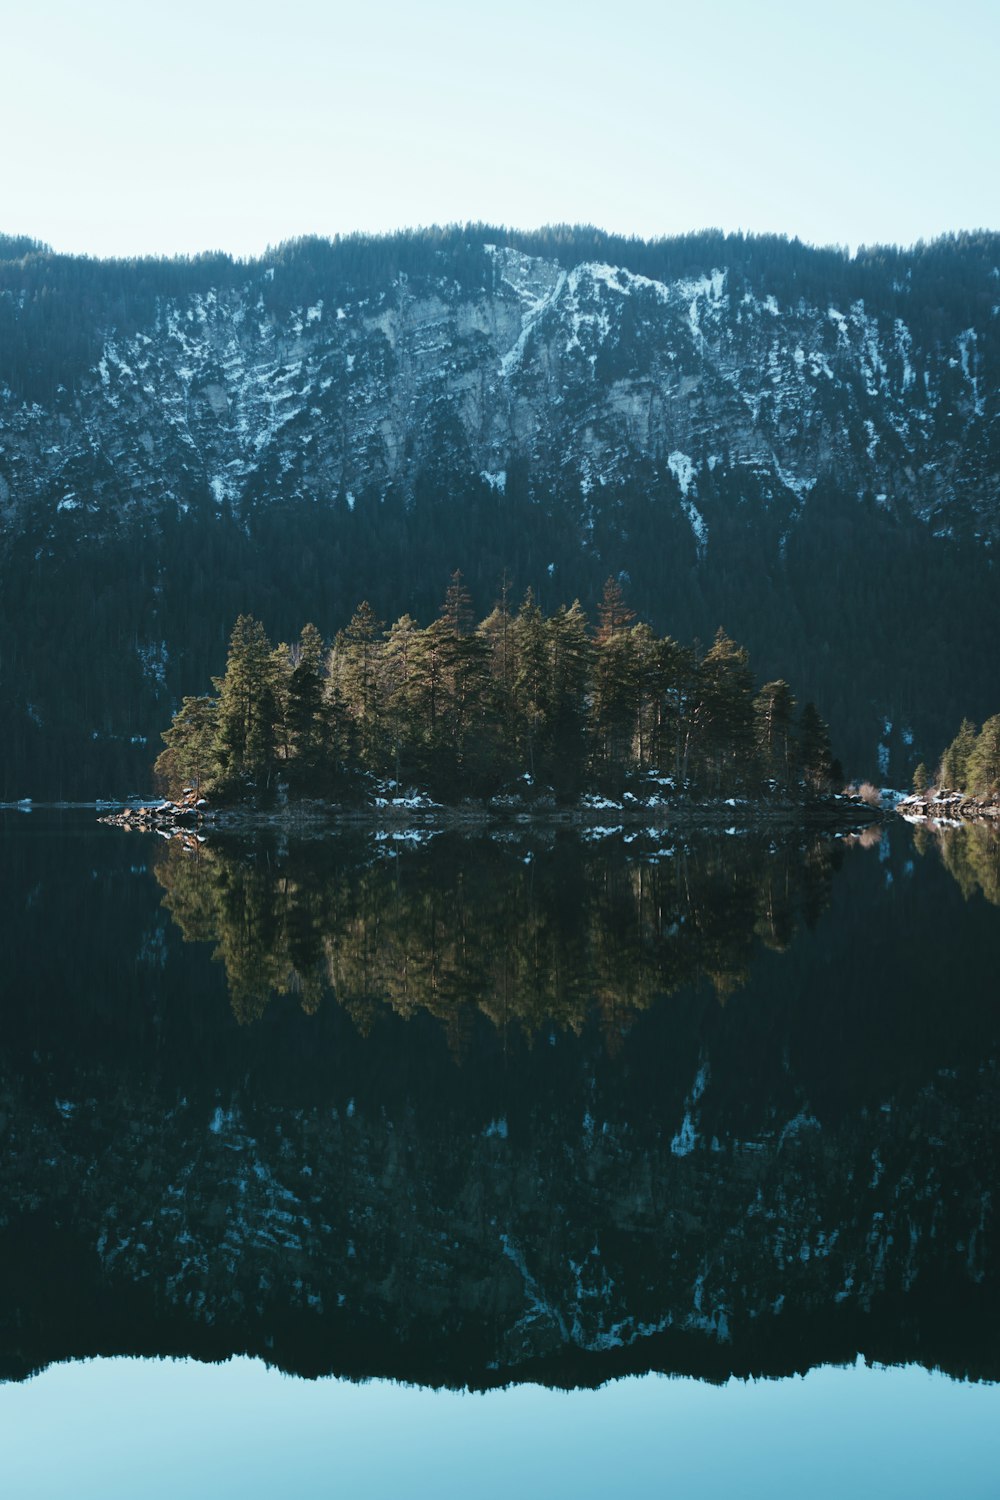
[[469, 710]]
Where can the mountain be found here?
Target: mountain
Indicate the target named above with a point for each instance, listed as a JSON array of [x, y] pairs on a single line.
[[798, 444]]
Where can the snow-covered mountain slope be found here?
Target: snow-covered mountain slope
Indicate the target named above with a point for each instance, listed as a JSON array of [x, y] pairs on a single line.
[[580, 374]]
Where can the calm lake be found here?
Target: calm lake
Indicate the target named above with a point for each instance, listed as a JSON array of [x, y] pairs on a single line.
[[630, 1162]]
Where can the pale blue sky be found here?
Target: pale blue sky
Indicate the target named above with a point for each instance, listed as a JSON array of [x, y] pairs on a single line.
[[111, 1429], [136, 128]]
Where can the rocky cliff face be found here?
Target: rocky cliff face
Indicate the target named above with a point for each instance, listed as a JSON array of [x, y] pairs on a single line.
[[585, 376]]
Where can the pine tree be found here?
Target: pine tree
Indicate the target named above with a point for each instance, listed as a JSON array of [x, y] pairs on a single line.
[[189, 757], [678, 697], [306, 718], [615, 700], [954, 768], [814, 749], [920, 779], [245, 739], [983, 767], [282, 657], [399, 682], [530, 681], [496, 634], [456, 610], [425, 700], [613, 614], [464, 662], [355, 666], [726, 701], [774, 712], [569, 656], [648, 664]]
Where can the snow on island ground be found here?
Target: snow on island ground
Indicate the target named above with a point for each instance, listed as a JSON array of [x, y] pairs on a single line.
[[649, 811]]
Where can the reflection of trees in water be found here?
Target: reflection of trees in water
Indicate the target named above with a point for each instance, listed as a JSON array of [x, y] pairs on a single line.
[[970, 854], [533, 937]]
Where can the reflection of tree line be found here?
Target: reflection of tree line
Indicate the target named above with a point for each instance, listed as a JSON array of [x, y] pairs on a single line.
[[537, 940], [970, 854]]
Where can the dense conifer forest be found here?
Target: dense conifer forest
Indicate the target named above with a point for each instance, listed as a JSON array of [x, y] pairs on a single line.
[[543, 705]]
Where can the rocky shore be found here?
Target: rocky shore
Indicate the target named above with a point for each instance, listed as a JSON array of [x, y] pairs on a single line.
[[942, 806], [192, 815]]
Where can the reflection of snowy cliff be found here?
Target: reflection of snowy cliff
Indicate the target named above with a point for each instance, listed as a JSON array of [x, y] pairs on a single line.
[[477, 1253]]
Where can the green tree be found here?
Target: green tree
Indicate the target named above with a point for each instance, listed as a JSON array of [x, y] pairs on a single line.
[[726, 697], [355, 666], [189, 757], [613, 614], [615, 703], [678, 676], [814, 749], [306, 715], [569, 655], [773, 713], [245, 738], [465, 674], [399, 685], [954, 768], [529, 684], [497, 635], [424, 702], [983, 767]]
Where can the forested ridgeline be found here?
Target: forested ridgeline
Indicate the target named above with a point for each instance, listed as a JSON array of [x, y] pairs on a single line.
[[56, 310], [520, 702]]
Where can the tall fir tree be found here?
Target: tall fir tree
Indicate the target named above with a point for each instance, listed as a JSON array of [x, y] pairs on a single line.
[[814, 749], [189, 756], [983, 766], [954, 768], [245, 737], [355, 665], [726, 696], [774, 715], [307, 713]]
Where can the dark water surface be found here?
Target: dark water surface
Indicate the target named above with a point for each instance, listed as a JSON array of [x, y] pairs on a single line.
[[473, 1111]]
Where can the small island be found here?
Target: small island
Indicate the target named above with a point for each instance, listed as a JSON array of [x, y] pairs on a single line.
[[517, 715]]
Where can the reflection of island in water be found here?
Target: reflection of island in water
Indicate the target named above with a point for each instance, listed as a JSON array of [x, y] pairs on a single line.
[[527, 933], [621, 1174]]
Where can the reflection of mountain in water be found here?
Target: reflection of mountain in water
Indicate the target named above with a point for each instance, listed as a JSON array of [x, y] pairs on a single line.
[[802, 1173], [525, 933]]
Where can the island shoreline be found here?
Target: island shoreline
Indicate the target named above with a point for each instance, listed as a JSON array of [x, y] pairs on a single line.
[[314, 818]]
